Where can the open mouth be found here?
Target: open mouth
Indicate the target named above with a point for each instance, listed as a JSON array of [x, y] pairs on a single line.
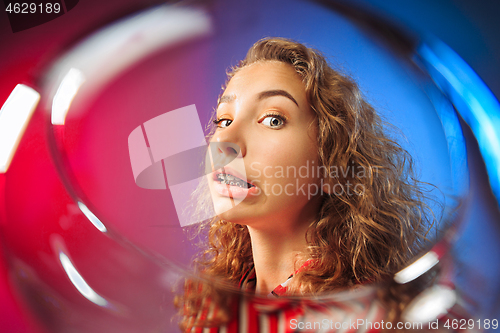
[[228, 179]]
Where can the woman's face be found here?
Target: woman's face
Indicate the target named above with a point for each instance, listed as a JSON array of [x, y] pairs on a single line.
[[264, 110]]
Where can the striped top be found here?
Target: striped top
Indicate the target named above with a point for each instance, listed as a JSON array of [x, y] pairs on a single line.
[[279, 314]]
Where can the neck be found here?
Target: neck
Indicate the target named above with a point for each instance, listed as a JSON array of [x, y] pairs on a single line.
[[276, 255]]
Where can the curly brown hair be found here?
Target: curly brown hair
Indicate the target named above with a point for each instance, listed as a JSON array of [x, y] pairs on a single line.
[[355, 238]]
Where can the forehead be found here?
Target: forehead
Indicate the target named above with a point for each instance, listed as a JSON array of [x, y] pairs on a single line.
[[266, 75], [276, 67]]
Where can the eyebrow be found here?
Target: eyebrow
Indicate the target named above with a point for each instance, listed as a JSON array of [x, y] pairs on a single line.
[[262, 95], [277, 92], [226, 99]]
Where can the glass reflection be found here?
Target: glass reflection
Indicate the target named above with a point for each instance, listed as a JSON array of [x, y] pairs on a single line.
[[79, 282], [14, 117], [92, 218], [65, 94]]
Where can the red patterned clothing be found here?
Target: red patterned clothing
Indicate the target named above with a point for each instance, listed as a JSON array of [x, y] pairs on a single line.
[[348, 312]]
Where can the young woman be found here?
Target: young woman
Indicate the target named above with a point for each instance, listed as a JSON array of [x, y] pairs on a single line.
[[317, 197]]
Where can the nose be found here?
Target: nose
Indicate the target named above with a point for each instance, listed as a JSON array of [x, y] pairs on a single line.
[[226, 148], [227, 144], [223, 153]]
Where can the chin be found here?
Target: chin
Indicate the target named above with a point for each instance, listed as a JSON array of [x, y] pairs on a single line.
[[232, 216], [230, 209], [239, 215]]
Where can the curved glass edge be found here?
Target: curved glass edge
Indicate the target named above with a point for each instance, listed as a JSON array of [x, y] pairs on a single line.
[[471, 97], [455, 140]]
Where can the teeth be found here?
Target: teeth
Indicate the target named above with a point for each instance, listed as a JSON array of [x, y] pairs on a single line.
[[232, 180]]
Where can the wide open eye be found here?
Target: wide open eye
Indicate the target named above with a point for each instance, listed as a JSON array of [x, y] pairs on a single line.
[[273, 121]]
